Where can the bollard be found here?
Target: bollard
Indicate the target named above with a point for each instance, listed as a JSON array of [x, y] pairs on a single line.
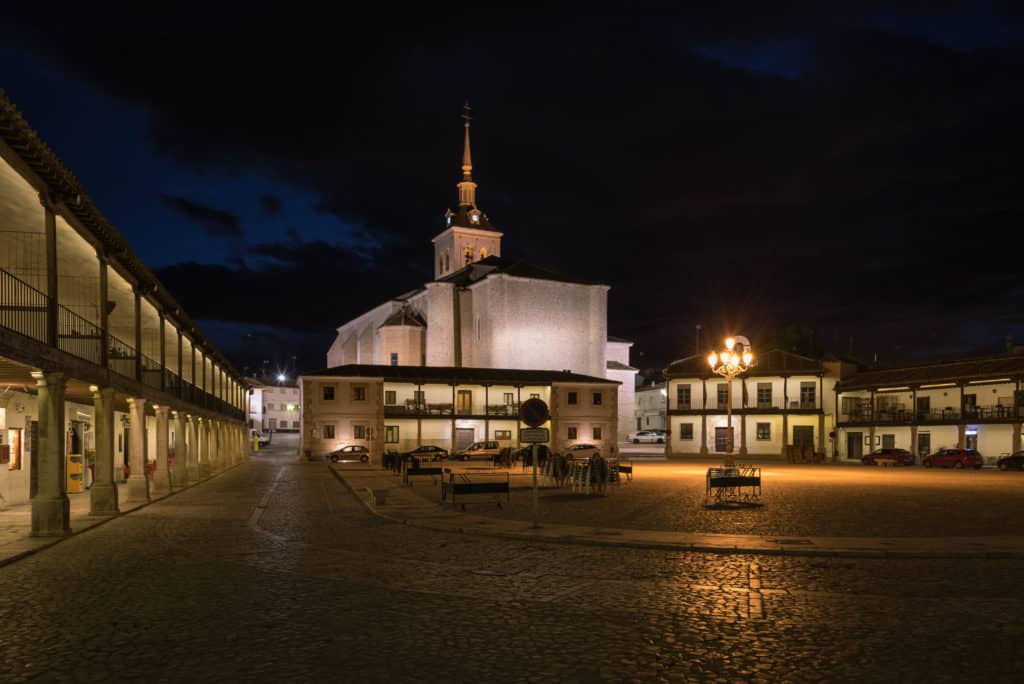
[[255, 443]]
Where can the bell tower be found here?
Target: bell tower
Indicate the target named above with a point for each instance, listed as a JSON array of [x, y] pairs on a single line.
[[468, 235]]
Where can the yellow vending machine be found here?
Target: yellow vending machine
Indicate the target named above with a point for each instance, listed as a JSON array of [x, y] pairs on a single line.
[[75, 459]]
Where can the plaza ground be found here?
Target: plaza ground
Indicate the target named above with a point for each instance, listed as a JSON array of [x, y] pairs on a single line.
[[797, 500], [275, 571]]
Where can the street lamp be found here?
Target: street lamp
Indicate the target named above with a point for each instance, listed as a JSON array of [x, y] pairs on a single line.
[[734, 360]]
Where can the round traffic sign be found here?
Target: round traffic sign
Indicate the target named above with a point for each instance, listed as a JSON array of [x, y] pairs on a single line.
[[534, 412]]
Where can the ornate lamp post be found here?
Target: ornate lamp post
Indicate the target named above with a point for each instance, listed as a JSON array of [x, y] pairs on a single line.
[[733, 361]]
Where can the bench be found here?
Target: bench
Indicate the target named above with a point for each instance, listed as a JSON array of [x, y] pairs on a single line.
[[452, 487], [736, 484], [434, 472]]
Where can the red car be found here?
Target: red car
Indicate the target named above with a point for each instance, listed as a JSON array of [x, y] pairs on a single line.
[[901, 456], [954, 458]]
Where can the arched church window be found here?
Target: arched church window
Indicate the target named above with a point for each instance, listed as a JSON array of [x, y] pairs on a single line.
[[483, 252], [469, 255], [440, 263], [447, 261]]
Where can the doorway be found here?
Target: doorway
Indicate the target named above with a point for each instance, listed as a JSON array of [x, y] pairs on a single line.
[[722, 439], [803, 435], [464, 437], [464, 400], [854, 445], [924, 444]]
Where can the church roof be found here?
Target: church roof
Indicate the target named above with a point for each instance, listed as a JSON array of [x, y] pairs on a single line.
[[404, 316], [453, 374], [461, 217], [478, 270], [774, 362]]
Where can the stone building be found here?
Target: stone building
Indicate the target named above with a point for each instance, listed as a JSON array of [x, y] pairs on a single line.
[[273, 406], [397, 408], [483, 310], [649, 407]]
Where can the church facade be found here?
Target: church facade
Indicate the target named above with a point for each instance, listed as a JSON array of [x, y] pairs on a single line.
[[483, 310]]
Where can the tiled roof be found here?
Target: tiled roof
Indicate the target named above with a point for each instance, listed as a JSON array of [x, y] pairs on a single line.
[[617, 365], [774, 362], [404, 316], [984, 368], [460, 218], [477, 271], [450, 374]]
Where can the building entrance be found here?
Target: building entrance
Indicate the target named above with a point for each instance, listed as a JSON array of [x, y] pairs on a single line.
[[854, 445], [464, 437]]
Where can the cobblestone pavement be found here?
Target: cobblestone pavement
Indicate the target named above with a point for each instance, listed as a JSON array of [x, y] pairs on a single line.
[[797, 500], [273, 571]]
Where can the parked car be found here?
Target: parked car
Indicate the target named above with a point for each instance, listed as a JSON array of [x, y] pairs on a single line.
[[901, 456], [427, 452], [483, 450], [354, 452], [647, 436], [582, 451], [1013, 462], [954, 458]]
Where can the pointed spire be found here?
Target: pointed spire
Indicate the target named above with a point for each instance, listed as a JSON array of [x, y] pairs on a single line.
[[467, 188]]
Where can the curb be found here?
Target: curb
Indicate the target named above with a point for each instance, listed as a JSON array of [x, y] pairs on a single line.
[[694, 547], [103, 520]]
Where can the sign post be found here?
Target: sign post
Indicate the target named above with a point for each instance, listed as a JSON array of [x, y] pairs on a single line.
[[534, 412]]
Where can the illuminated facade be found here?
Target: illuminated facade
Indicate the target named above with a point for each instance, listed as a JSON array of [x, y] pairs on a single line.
[[483, 310]]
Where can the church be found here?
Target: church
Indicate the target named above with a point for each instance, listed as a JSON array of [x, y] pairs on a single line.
[[485, 311]]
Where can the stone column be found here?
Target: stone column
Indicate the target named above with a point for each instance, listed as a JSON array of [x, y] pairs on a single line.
[[216, 447], [913, 443], [179, 472], [961, 435], [103, 495], [192, 449], [162, 474], [1015, 438], [204, 447], [51, 515], [138, 483], [821, 434]]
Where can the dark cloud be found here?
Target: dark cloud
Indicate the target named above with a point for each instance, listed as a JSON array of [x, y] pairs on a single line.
[[271, 204], [215, 222], [834, 165]]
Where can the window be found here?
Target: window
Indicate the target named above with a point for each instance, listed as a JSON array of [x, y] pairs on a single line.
[[683, 396], [574, 398], [888, 441], [764, 432], [597, 398], [648, 420], [394, 358], [572, 433], [358, 432], [502, 434], [764, 395], [686, 431], [464, 401], [723, 394], [390, 397], [509, 398], [596, 430], [807, 395], [358, 392], [268, 407], [468, 255], [391, 434], [295, 424], [328, 392], [329, 431]]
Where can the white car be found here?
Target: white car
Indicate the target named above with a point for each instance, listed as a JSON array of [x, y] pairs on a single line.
[[647, 437]]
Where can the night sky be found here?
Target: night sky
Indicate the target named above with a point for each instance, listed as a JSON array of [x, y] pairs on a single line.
[[854, 171]]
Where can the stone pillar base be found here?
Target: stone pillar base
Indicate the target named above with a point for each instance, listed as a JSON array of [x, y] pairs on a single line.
[[179, 478], [204, 470], [51, 517], [103, 499], [138, 488], [160, 484], [192, 474], [703, 451], [743, 451]]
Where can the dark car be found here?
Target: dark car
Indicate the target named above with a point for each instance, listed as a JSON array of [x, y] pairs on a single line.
[[427, 452], [355, 452], [954, 458], [1014, 462], [900, 456]]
